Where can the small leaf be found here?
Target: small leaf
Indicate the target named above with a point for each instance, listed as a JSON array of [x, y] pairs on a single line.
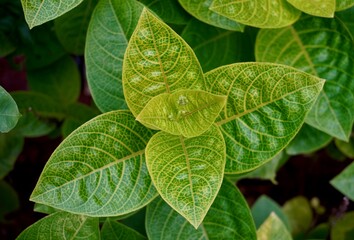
[[258, 13], [62, 225], [112, 230], [111, 25], [186, 112], [9, 113], [323, 8], [10, 148], [344, 182], [344, 227], [265, 108], [324, 48], [187, 172], [157, 60], [200, 10], [38, 12], [343, 4], [273, 228], [228, 218], [117, 184]]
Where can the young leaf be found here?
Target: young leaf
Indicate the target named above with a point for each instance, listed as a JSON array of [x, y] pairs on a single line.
[[258, 13], [344, 4], [323, 8], [62, 225], [102, 169], [9, 113], [344, 227], [112, 230], [324, 48], [273, 228], [187, 172], [157, 60], [38, 12], [228, 218], [111, 25], [200, 10], [186, 112], [10, 148], [265, 108], [344, 182]]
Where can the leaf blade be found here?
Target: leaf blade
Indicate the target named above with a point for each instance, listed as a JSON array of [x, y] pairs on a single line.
[[273, 228], [344, 182], [325, 8], [9, 113]]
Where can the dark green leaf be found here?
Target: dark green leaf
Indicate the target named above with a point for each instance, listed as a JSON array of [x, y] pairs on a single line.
[[10, 148], [7, 45], [347, 17], [8, 201], [347, 148], [112, 230], [9, 113]]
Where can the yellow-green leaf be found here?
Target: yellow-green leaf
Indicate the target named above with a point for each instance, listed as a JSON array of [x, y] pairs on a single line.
[[187, 172], [343, 4], [273, 229], [157, 60], [320, 8], [265, 108], [258, 13], [343, 229], [186, 112]]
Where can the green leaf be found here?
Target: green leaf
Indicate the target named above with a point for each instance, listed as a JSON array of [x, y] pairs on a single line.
[[71, 28], [62, 225], [228, 218], [347, 148], [299, 213], [157, 60], [112, 230], [343, 4], [263, 207], [7, 45], [324, 48], [61, 81], [117, 184], [187, 172], [308, 140], [9, 200], [214, 46], [9, 113], [258, 13], [111, 25], [186, 112], [347, 17], [344, 182], [273, 229], [10, 148], [201, 11], [38, 12], [323, 8], [266, 106], [343, 227], [38, 207]]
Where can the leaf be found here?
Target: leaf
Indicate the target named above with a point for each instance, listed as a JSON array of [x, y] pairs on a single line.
[[344, 4], [111, 25], [344, 227], [10, 148], [323, 8], [187, 172], [228, 218], [265, 108], [347, 17], [38, 12], [7, 45], [257, 13], [274, 229], [186, 112], [214, 46], [9, 200], [9, 113], [157, 60], [263, 208], [347, 148], [324, 48], [112, 230], [71, 28], [44, 209], [61, 81], [117, 184], [308, 140], [62, 225], [201, 11], [344, 182]]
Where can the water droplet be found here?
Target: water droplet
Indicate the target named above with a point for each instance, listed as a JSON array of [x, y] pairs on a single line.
[[182, 100]]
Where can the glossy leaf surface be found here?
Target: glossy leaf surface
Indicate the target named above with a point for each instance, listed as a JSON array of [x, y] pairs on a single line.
[[201, 10], [343, 4], [10, 148], [273, 228], [266, 106], [324, 48], [228, 218], [102, 169], [323, 8], [38, 12], [187, 172], [344, 182], [157, 61], [9, 113], [258, 13], [62, 225], [112, 230], [186, 112], [111, 25]]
